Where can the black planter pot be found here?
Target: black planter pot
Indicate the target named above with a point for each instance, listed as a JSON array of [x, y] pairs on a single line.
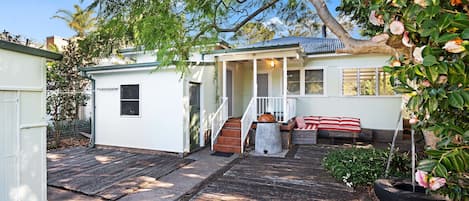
[[401, 190]]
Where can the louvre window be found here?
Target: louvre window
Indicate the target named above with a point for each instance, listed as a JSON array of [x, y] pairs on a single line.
[[365, 82], [130, 100]]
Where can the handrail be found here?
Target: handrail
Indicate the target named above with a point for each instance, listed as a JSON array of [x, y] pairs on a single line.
[[218, 120], [247, 120]]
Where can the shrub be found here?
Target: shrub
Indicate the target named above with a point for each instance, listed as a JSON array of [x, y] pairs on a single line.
[[358, 167]]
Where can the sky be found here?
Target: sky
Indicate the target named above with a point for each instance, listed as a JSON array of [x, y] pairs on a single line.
[[33, 18]]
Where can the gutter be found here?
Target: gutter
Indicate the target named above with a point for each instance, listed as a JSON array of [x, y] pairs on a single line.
[[93, 101]]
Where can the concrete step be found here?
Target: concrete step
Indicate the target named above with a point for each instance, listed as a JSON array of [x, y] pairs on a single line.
[[231, 132], [227, 148], [224, 140]]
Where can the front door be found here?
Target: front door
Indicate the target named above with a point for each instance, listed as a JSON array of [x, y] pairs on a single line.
[[263, 85], [262, 91], [229, 91], [194, 107]]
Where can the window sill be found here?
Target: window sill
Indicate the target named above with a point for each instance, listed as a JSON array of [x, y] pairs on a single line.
[[130, 116]]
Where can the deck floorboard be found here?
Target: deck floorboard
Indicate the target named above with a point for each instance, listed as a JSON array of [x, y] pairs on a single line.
[[107, 173], [296, 178]]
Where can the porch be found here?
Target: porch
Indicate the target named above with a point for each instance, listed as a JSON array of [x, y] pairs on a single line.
[[253, 82]]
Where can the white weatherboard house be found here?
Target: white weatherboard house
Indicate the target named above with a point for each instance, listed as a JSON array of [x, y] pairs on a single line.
[[288, 77], [23, 122]]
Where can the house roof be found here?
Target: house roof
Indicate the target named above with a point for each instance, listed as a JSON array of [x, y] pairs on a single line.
[[29, 50], [119, 67], [259, 48], [310, 45]]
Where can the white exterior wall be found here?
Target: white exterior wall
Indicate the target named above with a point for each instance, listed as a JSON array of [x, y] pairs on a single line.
[[375, 112], [23, 169], [204, 75], [160, 123]]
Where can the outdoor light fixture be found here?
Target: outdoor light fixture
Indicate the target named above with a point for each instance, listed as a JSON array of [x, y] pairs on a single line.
[[272, 63]]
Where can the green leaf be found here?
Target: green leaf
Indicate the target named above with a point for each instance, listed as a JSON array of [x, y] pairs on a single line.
[[403, 90], [414, 103], [456, 100], [465, 34], [440, 170], [431, 73], [446, 37], [429, 60], [465, 95], [427, 165], [432, 104]]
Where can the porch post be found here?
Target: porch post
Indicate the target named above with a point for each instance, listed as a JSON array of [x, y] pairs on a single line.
[[224, 79], [254, 78], [285, 112]]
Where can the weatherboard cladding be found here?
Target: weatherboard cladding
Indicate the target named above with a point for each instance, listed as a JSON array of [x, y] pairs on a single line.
[[309, 44]]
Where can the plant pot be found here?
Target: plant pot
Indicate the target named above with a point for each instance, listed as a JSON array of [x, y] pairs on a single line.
[[401, 190]]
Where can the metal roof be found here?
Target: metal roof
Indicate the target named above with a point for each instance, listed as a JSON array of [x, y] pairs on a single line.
[[310, 45], [29, 50], [120, 66]]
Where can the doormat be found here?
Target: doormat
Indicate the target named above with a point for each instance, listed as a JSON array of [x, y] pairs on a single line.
[[222, 154]]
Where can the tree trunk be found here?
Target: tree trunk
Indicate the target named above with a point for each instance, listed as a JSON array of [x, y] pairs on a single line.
[[430, 138]]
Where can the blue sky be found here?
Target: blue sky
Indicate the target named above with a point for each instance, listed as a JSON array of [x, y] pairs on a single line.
[[32, 18]]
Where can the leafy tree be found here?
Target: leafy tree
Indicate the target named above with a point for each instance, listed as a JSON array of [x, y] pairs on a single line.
[[65, 87], [81, 21], [254, 32]]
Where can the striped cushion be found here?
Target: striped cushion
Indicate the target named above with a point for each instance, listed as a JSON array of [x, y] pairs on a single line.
[[330, 122], [349, 123], [330, 118]]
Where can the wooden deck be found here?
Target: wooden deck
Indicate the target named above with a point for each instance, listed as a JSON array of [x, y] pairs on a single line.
[[293, 178], [106, 173]]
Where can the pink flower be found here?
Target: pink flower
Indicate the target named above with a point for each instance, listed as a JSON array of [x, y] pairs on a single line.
[[376, 19], [442, 79], [422, 178], [426, 83], [422, 3], [406, 40], [396, 27], [395, 63], [436, 182], [418, 54], [413, 121], [454, 46]]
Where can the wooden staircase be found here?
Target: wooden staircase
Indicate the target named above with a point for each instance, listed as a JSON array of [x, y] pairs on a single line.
[[229, 140]]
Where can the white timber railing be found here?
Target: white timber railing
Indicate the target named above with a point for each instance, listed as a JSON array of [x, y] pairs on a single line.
[[246, 121], [219, 119], [291, 108], [274, 106]]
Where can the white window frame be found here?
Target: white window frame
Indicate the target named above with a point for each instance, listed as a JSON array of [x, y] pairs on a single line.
[[303, 81], [139, 101], [358, 83]]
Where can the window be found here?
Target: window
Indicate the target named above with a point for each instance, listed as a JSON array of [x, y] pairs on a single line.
[[365, 82], [293, 79], [314, 82], [305, 82], [130, 100]]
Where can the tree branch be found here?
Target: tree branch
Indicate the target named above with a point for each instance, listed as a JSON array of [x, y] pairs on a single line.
[[352, 45], [246, 20]]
